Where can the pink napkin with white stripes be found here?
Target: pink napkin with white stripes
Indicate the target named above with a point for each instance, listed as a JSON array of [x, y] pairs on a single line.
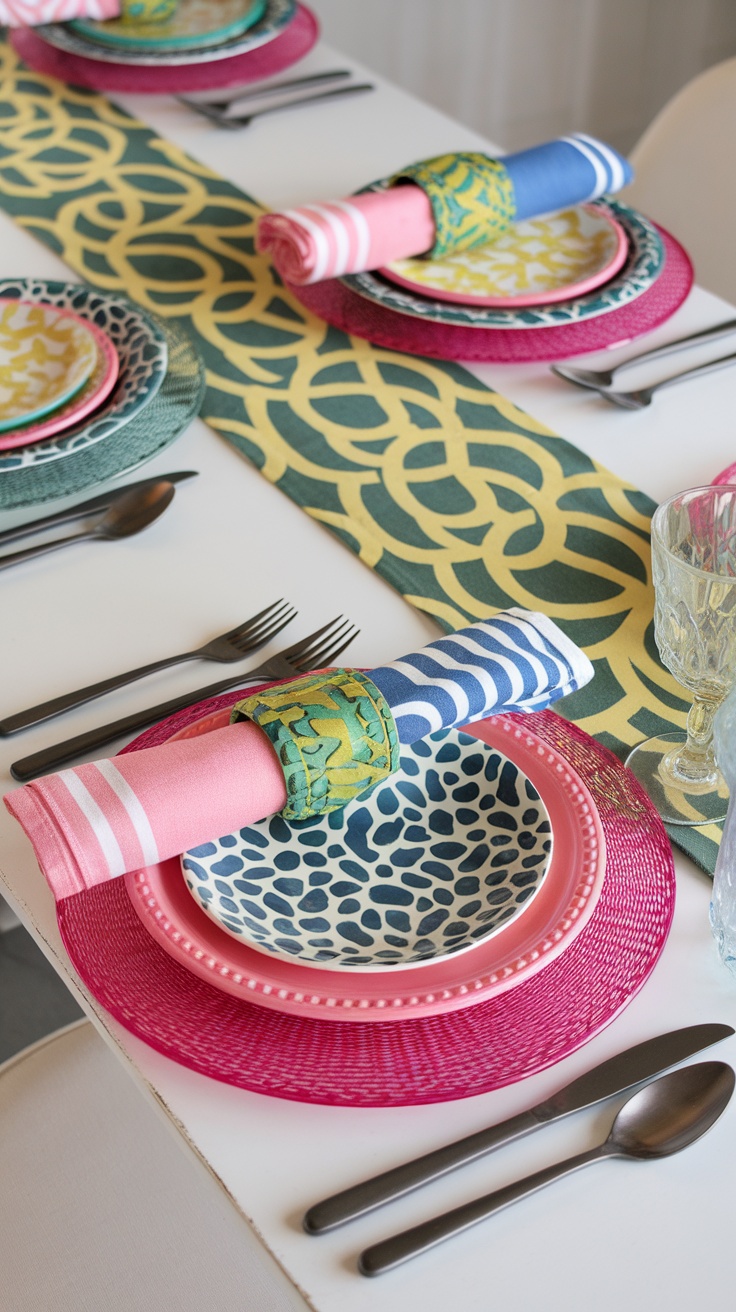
[[95, 822], [31, 13], [344, 236]]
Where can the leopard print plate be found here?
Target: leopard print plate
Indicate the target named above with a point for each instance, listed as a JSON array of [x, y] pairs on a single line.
[[426, 864]]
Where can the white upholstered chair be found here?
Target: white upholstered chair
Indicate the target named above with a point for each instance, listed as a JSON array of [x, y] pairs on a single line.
[[685, 167], [101, 1210]]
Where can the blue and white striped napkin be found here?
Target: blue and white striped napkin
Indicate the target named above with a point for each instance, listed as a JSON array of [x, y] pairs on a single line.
[[516, 661]]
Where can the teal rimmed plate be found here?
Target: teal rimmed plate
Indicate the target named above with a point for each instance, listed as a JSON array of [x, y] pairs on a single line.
[[276, 17], [126, 447], [639, 272], [194, 23], [140, 344]]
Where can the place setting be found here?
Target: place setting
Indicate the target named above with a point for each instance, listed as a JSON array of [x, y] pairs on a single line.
[[91, 386], [182, 47], [520, 258], [425, 915]]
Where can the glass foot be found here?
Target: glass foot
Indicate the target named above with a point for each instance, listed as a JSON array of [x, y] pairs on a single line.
[[678, 804]]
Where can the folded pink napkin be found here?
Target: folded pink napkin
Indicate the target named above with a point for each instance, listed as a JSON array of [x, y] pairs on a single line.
[[31, 13], [344, 236], [93, 823]]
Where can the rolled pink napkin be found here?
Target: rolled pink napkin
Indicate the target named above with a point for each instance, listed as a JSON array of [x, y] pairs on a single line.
[[97, 821], [31, 13], [321, 241]]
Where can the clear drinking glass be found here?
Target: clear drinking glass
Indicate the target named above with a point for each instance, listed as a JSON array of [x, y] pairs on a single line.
[[694, 575]]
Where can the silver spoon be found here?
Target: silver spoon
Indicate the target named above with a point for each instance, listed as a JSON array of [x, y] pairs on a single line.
[[637, 400], [666, 1116], [596, 378], [130, 514]]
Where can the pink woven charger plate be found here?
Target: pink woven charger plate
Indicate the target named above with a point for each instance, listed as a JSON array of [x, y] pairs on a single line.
[[345, 309], [398, 1063], [261, 62]]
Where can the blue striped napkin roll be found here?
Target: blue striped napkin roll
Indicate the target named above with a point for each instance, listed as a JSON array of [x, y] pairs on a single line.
[[516, 661]]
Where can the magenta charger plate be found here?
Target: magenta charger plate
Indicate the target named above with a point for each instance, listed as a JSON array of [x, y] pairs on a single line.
[[343, 308], [401, 1062], [262, 62]]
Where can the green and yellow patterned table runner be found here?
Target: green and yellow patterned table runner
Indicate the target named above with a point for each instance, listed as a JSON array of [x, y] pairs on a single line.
[[456, 497]]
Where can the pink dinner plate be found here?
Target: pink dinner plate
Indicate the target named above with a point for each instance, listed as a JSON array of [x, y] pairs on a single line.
[[552, 919], [175, 79], [338, 305], [97, 388], [455, 1054], [443, 279]]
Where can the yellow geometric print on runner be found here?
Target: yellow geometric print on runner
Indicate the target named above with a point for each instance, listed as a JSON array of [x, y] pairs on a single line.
[[456, 497]]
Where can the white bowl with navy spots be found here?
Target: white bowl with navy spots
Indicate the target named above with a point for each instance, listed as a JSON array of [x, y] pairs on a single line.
[[425, 865]]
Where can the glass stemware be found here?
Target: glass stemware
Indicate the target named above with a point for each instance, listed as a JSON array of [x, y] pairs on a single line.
[[694, 575]]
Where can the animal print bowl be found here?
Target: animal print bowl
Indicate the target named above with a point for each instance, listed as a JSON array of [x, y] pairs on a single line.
[[425, 865]]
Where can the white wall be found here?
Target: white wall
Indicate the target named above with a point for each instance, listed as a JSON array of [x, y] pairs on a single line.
[[521, 71]]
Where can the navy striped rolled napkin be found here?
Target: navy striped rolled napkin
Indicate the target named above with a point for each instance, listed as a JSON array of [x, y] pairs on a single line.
[[99, 820], [517, 661]]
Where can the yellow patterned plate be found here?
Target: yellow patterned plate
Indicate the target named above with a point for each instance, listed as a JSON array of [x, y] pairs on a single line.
[[46, 356], [538, 262], [193, 23]]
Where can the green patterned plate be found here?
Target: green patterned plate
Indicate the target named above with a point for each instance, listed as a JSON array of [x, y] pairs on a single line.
[[642, 267], [139, 342], [172, 409], [195, 23]]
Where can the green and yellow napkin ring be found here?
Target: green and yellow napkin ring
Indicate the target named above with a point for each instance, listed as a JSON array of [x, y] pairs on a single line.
[[334, 735], [472, 199]]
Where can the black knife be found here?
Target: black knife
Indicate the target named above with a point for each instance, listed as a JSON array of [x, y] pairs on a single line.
[[91, 507], [617, 1075]]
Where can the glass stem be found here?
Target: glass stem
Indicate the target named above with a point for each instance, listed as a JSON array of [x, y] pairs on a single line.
[[696, 761]]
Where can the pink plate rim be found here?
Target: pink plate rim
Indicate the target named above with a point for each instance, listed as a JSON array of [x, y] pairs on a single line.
[[563, 293], [554, 917]]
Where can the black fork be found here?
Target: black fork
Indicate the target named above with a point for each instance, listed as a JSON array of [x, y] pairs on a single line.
[[318, 649], [232, 646]]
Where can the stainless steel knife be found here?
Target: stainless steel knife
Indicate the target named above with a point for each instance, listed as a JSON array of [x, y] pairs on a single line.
[[617, 1075], [84, 508]]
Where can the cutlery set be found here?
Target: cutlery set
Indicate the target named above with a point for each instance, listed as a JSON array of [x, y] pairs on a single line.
[[668, 1114], [291, 94], [601, 380], [319, 648], [121, 513]]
